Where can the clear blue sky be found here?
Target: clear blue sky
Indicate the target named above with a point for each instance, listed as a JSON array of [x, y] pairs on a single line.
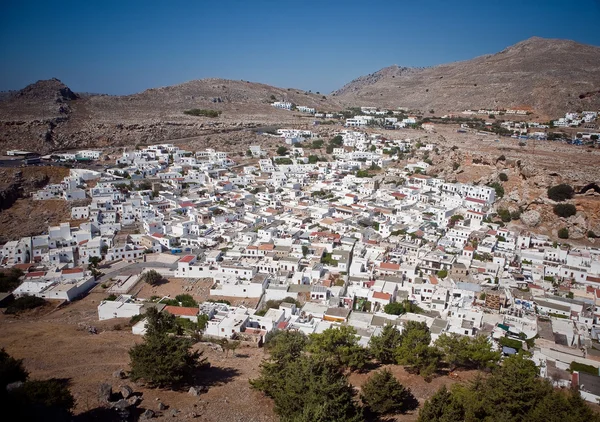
[[126, 46]]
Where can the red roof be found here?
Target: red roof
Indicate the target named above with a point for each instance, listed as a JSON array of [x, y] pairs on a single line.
[[389, 266], [282, 325], [381, 295], [159, 235], [469, 248], [187, 258], [182, 310], [479, 201], [35, 274], [24, 267], [72, 270]]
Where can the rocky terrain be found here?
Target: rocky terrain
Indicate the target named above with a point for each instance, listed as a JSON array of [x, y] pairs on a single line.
[[531, 170], [548, 76], [47, 116]]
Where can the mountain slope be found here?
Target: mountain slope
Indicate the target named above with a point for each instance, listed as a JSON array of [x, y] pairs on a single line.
[[47, 116], [547, 75]]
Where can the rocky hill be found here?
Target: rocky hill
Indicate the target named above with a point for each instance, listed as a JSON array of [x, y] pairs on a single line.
[[47, 116], [549, 76]]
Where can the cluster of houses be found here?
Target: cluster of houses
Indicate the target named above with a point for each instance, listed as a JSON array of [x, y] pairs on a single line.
[[326, 243]]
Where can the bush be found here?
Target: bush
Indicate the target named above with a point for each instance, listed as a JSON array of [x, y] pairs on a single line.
[[152, 277], [580, 367], [394, 308], [563, 233], [383, 394], [186, 301], [504, 215], [591, 234], [281, 150], [498, 188], [565, 210], [503, 177], [201, 112], [9, 280], [560, 192], [509, 342], [23, 303], [515, 215]]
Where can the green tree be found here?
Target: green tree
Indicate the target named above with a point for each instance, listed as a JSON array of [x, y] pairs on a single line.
[[152, 277], [384, 345], [186, 300], [313, 390], [11, 370], [442, 407], [337, 140], [414, 349], [560, 192], [163, 359], [565, 210], [503, 177], [394, 308], [305, 250], [340, 345], [467, 352], [498, 188], [563, 233], [442, 273], [382, 394], [33, 400], [281, 150]]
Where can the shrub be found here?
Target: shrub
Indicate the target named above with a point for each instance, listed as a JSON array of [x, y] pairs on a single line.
[[565, 210], [9, 280], [563, 233], [498, 188], [560, 192], [591, 234], [503, 177], [581, 367], [152, 277], [501, 158], [201, 112], [515, 215], [23, 303], [394, 308], [509, 342], [504, 215]]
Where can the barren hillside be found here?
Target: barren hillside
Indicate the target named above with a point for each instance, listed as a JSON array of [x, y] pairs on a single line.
[[47, 116], [547, 75]]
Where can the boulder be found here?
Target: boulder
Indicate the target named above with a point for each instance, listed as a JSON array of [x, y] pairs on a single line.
[[126, 391], [105, 392], [531, 218], [121, 404], [14, 385], [120, 374], [148, 414], [134, 400], [161, 406], [193, 391]]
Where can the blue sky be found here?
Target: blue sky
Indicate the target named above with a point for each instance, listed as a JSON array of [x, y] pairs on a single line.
[[126, 46]]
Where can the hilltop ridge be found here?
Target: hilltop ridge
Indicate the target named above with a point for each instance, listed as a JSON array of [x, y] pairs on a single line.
[[549, 76]]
